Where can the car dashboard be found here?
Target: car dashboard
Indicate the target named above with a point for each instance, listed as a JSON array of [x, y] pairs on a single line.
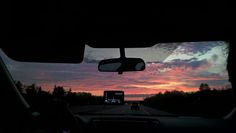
[[155, 124]]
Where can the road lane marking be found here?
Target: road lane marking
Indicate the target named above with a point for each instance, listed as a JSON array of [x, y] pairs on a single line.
[[145, 111]]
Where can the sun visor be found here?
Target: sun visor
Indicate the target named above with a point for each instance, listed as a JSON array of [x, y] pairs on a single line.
[[46, 54]]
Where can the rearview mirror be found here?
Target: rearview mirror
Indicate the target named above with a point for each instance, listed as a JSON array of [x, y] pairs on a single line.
[[121, 65]]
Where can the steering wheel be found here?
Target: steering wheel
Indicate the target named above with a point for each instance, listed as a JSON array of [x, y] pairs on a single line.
[[54, 117]]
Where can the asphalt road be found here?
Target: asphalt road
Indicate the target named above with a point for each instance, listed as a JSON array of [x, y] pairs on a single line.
[[117, 110]]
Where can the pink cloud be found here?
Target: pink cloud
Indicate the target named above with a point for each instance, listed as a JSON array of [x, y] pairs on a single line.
[[158, 77]]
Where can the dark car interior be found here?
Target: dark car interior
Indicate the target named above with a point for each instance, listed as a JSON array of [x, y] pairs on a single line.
[[57, 31]]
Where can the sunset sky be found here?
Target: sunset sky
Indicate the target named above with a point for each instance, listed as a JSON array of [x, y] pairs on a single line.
[[176, 66]]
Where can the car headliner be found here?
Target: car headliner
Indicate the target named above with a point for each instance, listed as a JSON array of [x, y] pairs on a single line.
[[46, 25]]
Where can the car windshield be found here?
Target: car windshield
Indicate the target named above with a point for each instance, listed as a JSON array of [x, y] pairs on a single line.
[[187, 79]]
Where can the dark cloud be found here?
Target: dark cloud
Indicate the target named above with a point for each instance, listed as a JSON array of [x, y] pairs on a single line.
[[128, 87], [192, 63], [145, 81], [154, 62], [46, 73], [198, 47]]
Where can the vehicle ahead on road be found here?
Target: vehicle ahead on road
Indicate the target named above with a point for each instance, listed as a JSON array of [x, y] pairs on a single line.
[[135, 106], [113, 97]]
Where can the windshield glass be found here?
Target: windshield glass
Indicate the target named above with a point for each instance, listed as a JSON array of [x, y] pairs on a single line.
[[180, 79]]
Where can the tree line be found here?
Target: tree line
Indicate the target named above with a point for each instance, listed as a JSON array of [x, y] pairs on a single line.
[[36, 95], [205, 102]]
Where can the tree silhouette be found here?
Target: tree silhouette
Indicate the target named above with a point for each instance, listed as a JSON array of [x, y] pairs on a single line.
[[31, 90], [19, 86], [37, 96], [204, 102], [58, 92], [204, 87]]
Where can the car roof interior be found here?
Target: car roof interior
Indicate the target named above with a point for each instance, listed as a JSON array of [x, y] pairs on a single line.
[[49, 25]]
